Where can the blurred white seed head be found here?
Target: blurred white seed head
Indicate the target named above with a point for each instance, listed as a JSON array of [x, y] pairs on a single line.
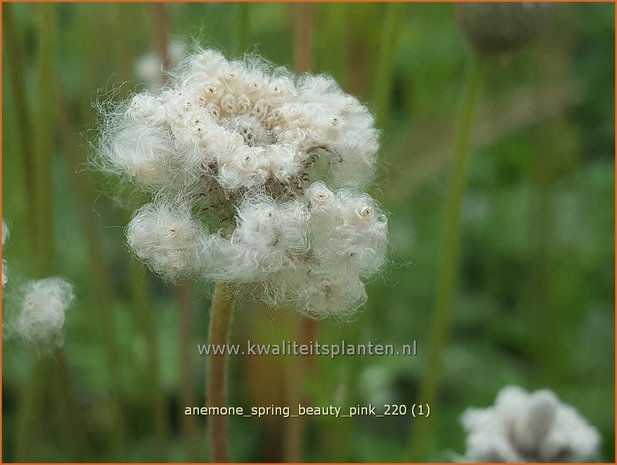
[[5, 266], [256, 177], [528, 427], [41, 316], [149, 66]]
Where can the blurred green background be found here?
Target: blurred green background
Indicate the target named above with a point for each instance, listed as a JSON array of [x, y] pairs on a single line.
[[534, 298]]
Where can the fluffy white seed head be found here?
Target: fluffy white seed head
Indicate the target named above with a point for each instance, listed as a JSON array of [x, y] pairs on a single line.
[[528, 427], [259, 173], [43, 306]]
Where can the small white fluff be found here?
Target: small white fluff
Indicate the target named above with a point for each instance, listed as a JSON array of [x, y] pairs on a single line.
[[256, 176], [43, 306], [149, 67], [166, 237], [5, 266], [528, 427]]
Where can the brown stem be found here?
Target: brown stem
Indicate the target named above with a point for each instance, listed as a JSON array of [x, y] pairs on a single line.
[[304, 34], [216, 375], [298, 372], [187, 379], [162, 31]]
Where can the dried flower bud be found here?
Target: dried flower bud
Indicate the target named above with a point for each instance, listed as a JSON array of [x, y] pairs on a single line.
[[494, 28]]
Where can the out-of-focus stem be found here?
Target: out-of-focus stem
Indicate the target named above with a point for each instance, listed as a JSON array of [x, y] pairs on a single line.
[[296, 370], [140, 283], [122, 41], [383, 79], [304, 36], [140, 287], [217, 370], [99, 266], [449, 263], [298, 374], [162, 34], [243, 25], [15, 66], [187, 378], [42, 176], [44, 122]]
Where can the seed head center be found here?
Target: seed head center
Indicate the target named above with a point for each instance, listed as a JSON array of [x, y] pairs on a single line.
[[250, 128]]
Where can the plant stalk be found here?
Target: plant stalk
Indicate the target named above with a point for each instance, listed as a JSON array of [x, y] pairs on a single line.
[[15, 66], [383, 79], [244, 27], [187, 378], [449, 263], [217, 371]]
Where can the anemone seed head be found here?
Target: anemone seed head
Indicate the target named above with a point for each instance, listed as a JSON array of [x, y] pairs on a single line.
[[528, 427], [44, 304], [259, 173]]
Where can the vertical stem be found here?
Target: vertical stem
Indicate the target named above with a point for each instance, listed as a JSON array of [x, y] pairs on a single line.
[[216, 375], [15, 65], [71, 416], [44, 147], [448, 267], [296, 370], [162, 33], [555, 142], [99, 267], [29, 408], [298, 373], [383, 79], [304, 36], [140, 287], [244, 27], [42, 219], [41, 175], [140, 282], [187, 379], [123, 45]]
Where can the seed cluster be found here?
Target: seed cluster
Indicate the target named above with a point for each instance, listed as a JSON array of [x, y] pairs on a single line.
[[529, 427], [256, 177], [43, 307]]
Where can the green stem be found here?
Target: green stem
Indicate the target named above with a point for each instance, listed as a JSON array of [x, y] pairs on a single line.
[[123, 42], [15, 66], [244, 27], [385, 65], [299, 372], [216, 375], [42, 214], [124, 46], [449, 264], [141, 295], [44, 150], [99, 267]]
